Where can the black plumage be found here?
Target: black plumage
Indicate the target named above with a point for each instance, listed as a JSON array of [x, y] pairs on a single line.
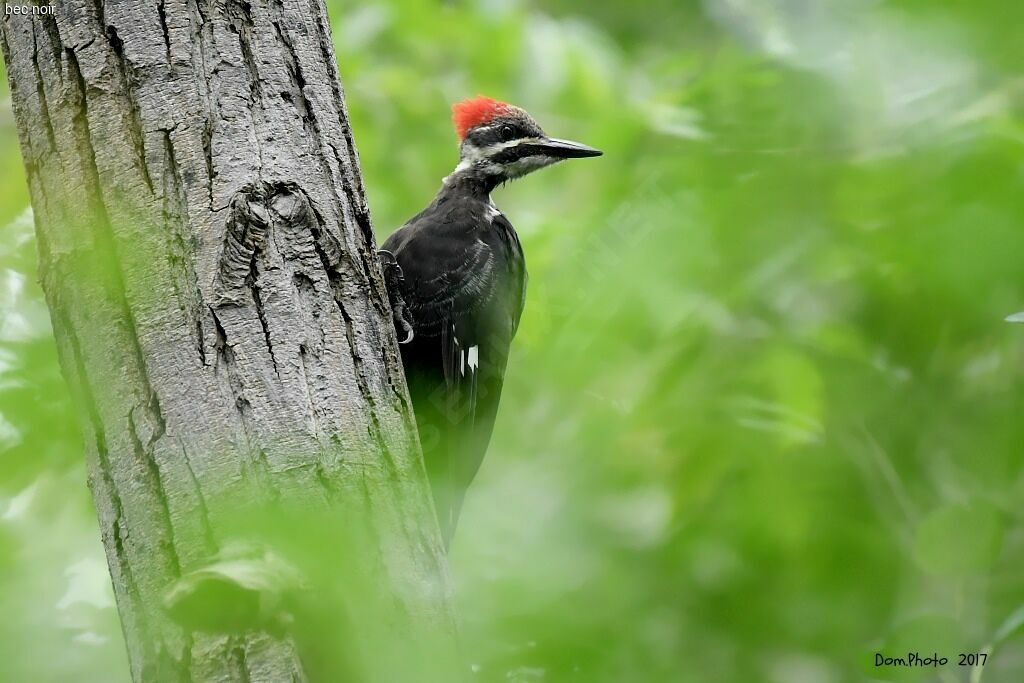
[[462, 289], [464, 286]]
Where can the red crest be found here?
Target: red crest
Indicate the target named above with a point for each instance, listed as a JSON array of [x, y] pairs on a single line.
[[472, 112]]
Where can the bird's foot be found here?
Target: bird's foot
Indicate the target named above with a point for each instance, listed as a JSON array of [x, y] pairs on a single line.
[[393, 278]]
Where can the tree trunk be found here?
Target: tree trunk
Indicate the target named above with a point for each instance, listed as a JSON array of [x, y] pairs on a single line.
[[209, 264]]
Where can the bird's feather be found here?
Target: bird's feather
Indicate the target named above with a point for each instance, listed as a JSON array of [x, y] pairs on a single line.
[[464, 285]]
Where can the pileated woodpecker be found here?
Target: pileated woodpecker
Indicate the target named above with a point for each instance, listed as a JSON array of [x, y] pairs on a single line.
[[457, 281]]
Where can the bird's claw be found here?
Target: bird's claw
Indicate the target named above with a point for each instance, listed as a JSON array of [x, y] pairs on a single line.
[[393, 279]]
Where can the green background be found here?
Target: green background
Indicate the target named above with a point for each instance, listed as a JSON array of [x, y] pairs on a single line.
[[763, 416]]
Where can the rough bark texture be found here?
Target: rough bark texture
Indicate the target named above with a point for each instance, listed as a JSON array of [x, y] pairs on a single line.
[[208, 259]]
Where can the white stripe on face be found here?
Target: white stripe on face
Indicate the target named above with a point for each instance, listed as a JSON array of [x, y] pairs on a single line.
[[481, 157]]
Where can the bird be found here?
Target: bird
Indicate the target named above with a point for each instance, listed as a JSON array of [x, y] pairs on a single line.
[[456, 277]]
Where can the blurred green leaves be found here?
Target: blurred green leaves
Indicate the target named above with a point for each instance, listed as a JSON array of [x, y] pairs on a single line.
[[762, 417], [959, 540], [37, 424], [245, 587]]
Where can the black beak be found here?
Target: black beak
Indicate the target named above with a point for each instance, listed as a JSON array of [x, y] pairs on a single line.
[[567, 149]]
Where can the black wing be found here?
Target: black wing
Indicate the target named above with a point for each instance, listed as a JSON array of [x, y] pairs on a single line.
[[464, 285]]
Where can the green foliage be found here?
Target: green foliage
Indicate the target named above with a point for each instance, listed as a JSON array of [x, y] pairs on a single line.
[[763, 417]]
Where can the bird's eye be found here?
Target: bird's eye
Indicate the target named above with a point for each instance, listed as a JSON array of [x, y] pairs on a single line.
[[507, 132]]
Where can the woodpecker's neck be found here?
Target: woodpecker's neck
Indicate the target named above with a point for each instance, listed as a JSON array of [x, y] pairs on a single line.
[[476, 179]]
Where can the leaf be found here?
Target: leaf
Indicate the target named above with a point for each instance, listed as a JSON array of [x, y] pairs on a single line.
[[245, 586], [959, 540], [1013, 625]]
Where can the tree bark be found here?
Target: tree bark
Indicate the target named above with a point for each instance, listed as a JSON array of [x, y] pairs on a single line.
[[209, 264]]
